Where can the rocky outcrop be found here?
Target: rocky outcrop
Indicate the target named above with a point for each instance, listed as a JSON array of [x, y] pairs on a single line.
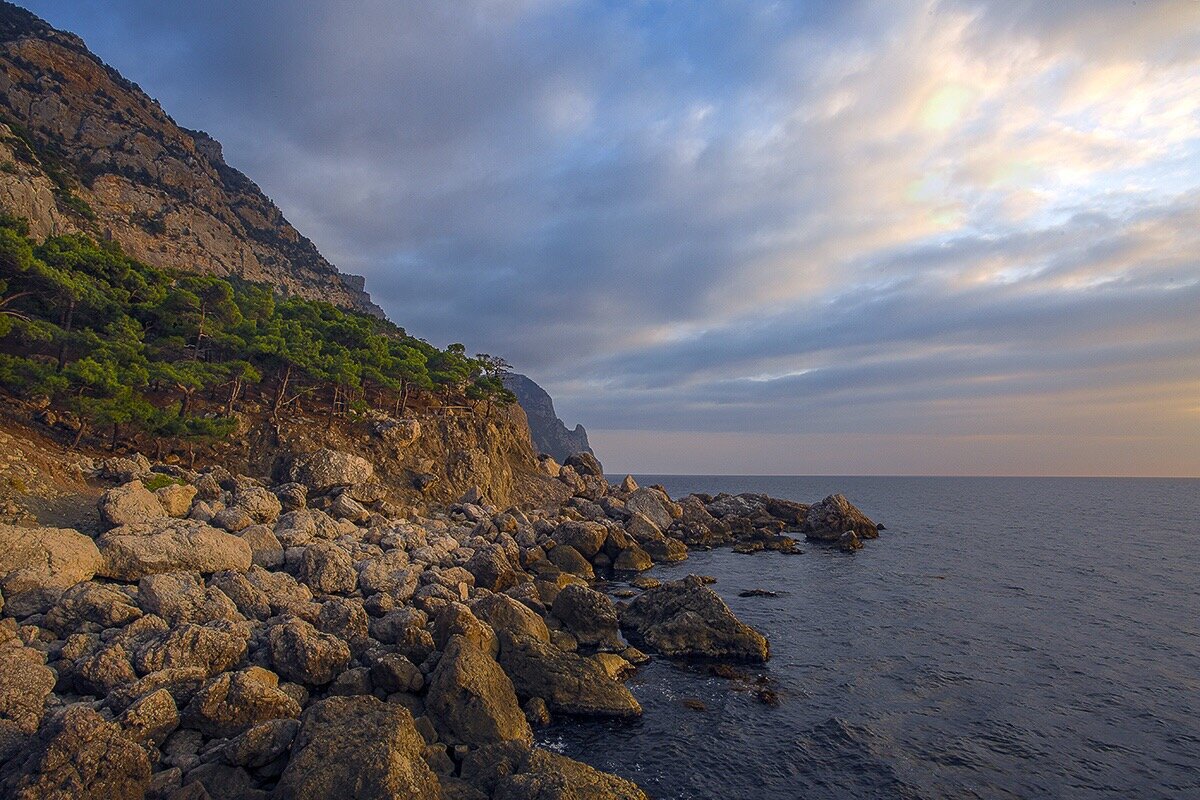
[[550, 435], [357, 747], [90, 151], [39, 563], [687, 619], [834, 516]]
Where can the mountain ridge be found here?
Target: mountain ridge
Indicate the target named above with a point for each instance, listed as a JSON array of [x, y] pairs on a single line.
[[550, 434], [84, 149]]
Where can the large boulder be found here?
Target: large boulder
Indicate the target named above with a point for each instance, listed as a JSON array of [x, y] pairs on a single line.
[[357, 747], [327, 569], [586, 464], [827, 520], [25, 683], [569, 683], [687, 619], [259, 503], [176, 498], [130, 504], [211, 648], [589, 616], [492, 568], [303, 654], [180, 597], [327, 469], [516, 771], [471, 700], [503, 613], [586, 537], [93, 603], [230, 703], [653, 504], [39, 563], [81, 756], [131, 552]]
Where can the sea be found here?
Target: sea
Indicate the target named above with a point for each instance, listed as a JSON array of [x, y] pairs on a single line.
[[1003, 638]]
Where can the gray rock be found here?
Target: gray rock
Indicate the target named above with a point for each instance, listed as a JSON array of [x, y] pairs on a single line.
[[130, 504], [687, 619], [472, 700], [132, 552], [327, 469]]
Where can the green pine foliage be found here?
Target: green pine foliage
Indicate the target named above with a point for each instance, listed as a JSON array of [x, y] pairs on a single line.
[[133, 348]]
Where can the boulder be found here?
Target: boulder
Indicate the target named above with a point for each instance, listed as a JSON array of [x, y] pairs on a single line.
[[303, 654], [261, 744], [233, 519], [232, 702], [516, 771], [132, 552], [569, 683], [585, 464], [827, 520], [357, 747], [492, 568], [130, 504], [628, 485], [687, 619], [25, 684], [40, 563], [570, 560], [327, 469], [180, 597], [176, 498], [151, 719], [210, 648], [327, 569], [455, 619], [94, 603], [262, 506], [82, 756], [653, 504], [265, 547], [633, 559], [503, 613], [589, 616], [472, 700], [586, 537], [292, 496]]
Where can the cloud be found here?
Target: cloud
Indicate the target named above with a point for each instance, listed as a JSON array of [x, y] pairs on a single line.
[[870, 219]]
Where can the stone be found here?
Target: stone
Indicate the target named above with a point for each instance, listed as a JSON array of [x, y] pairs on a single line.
[[472, 700], [94, 603], [25, 684], [392, 672], [212, 649], [327, 569], [233, 519], [132, 552], [260, 744], [232, 702], [346, 507], [516, 771], [628, 485], [633, 559], [130, 504], [261, 504], [251, 602], [292, 496], [652, 504], [81, 756], [589, 616], [585, 537], [687, 619], [180, 597], [357, 747], [150, 720], [827, 520], [568, 682], [302, 654], [40, 563], [492, 568], [585, 464], [181, 682], [503, 613], [570, 560], [265, 547], [456, 619], [176, 498], [328, 469], [613, 665]]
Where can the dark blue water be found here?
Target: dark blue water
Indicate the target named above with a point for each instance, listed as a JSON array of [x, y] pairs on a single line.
[[1003, 638]]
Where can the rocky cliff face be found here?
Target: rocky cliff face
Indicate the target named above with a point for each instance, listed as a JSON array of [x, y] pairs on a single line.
[[84, 149], [550, 434]]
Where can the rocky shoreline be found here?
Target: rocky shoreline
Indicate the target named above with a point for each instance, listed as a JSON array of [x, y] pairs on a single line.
[[225, 637]]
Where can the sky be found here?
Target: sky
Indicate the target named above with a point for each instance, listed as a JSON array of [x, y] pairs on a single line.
[[933, 237]]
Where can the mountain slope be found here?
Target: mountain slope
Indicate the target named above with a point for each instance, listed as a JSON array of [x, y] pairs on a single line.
[[550, 434], [84, 149]]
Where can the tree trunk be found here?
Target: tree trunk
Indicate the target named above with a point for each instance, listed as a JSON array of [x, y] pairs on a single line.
[[281, 392], [116, 432], [79, 434], [68, 322]]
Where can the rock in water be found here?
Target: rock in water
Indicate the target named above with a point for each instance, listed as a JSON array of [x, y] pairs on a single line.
[[827, 520], [687, 619], [471, 700], [357, 747], [569, 683]]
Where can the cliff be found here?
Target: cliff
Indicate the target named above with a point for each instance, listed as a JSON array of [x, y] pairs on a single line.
[[84, 149], [550, 434]]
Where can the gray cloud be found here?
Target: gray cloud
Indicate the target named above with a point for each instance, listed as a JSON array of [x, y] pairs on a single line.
[[869, 217]]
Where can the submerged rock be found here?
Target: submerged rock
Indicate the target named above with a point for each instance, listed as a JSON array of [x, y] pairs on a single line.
[[687, 619]]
